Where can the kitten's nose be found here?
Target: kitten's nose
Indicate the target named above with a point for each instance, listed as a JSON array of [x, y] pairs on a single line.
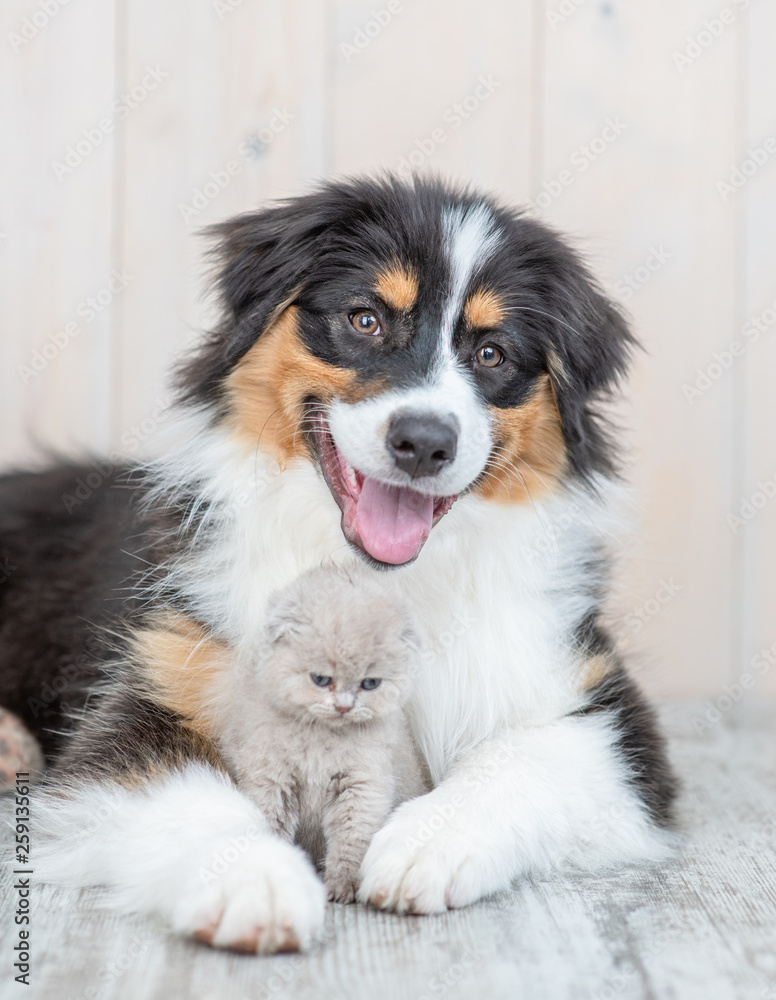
[[343, 701]]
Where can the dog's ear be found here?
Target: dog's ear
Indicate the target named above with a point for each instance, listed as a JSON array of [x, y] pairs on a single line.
[[590, 354], [262, 261]]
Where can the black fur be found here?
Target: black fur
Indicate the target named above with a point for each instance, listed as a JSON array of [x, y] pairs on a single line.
[[71, 565], [146, 739], [640, 743], [322, 253], [72, 555]]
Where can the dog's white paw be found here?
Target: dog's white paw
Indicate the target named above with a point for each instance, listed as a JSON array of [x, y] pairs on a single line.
[[424, 861], [268, 899]]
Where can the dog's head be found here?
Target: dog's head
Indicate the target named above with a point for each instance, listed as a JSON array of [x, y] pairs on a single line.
[[416, 343]]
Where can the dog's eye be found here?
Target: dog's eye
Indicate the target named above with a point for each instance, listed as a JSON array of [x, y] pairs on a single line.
[[320, 680], [365, 322], [370, 683], [489, 356]]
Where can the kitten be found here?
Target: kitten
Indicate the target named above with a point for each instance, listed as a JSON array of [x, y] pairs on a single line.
[[316, 734]]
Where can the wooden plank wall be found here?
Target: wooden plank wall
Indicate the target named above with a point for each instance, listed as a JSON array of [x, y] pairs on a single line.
[[616, 120]]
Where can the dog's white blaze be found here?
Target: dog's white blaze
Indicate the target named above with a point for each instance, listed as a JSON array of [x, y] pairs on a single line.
[[360, 429], [470, 236]]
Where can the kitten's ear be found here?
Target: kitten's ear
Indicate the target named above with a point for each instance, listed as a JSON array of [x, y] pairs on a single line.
[[281, 619]]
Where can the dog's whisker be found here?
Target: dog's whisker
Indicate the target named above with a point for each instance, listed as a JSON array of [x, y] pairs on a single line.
[[541, 312]]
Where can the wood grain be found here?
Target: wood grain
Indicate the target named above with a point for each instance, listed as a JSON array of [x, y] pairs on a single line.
[[703, 926]]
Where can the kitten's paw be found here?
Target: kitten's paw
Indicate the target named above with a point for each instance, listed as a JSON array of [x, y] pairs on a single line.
[[268, 900], [409, 872], [342, 888]]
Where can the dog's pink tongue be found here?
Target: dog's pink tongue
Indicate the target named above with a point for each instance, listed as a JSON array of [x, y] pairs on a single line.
[[392, 522]]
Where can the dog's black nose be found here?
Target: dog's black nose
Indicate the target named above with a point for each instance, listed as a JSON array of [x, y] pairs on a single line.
[[421, 443]]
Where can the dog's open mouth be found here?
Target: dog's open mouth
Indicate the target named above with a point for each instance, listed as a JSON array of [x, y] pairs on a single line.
[[389, 523]]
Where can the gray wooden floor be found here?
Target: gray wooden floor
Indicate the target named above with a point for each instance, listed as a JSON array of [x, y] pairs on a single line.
[[703, 928]]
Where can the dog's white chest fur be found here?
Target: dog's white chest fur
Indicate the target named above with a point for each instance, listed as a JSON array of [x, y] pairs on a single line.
[[497, 589]]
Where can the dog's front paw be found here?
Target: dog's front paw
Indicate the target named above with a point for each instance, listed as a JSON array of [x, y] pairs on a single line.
[[429, 858], [268, 899]]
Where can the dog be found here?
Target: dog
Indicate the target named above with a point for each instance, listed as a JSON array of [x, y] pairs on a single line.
[[405, 375]]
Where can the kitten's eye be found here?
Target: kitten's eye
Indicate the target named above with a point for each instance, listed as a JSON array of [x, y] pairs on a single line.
[[320, 680], [489, 356], [365, 322], [370, 683]]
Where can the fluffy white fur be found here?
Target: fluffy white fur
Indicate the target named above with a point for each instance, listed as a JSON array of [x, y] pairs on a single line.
[[191, 849], [470, 237], [521, 787]]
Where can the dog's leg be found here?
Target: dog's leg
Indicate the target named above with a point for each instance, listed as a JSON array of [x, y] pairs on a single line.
[[142, 804], [531, 801], [189, 847]]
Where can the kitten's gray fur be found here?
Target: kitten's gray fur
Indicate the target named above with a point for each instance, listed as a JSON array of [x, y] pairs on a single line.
[[307, 766]]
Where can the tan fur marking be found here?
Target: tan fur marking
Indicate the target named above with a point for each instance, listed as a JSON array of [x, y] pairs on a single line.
[[530, 455], [595, 670], [181, 665], [268, 387], [397, 287], [484, 309], [557, 368]]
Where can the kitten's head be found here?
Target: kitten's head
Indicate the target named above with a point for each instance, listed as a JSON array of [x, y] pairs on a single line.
[[337, 650]]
